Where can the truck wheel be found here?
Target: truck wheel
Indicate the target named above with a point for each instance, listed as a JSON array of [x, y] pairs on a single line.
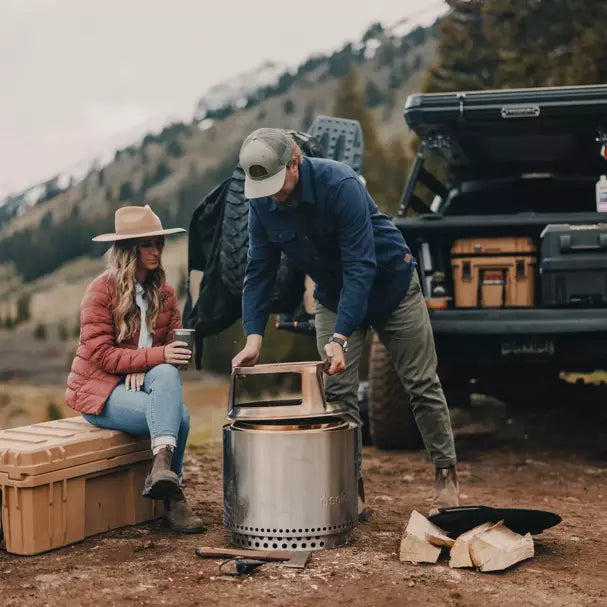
[[234, 234], [391, 420]]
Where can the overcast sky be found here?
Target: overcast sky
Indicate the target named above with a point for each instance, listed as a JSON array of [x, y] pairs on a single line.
[[77, 76]]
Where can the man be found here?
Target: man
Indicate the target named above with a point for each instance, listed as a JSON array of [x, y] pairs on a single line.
[[321, 216]]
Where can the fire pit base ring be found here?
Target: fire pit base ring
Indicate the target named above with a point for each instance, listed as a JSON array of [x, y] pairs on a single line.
[[320, 542]]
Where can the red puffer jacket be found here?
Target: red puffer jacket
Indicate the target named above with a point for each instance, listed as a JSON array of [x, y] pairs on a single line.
[[99, 364]]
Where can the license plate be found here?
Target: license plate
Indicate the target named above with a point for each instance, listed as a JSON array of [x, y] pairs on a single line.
[[523, 347]]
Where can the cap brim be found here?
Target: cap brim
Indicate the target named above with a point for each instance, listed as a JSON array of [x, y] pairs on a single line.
[[111, 237], [260, 188]]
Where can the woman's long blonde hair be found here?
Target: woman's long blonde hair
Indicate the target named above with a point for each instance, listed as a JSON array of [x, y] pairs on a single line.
[[121, 265]]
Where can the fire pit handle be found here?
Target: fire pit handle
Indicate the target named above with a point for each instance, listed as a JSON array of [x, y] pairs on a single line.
[[300, 367], [312, 392]]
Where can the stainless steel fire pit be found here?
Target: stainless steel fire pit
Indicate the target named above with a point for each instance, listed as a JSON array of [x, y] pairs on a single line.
[[289, 483]]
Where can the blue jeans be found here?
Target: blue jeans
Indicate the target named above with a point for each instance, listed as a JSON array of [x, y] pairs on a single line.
[[157, 409]]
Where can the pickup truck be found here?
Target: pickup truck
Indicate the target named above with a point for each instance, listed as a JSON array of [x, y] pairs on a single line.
[[502, 164]]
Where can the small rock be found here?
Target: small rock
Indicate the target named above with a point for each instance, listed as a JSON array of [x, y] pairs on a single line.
[[408, 478], [411, 584], [48, 578], [455, 575], [530, 461], [314, 587], [575, 538]]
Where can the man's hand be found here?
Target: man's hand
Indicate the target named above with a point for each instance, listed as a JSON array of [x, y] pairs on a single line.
[[249, 355], [335, 356], [134, 381]]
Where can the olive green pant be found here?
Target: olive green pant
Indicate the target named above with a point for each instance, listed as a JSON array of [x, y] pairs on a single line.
[[407, 335]]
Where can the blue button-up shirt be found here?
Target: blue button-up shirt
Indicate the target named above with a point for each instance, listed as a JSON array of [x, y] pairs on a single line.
[[356, 256]]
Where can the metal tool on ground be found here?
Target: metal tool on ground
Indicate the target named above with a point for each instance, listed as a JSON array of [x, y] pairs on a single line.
[[240, 566], [295, 559], [289, 474]]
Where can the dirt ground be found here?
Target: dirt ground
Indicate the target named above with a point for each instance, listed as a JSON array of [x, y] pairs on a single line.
[[552, 460]]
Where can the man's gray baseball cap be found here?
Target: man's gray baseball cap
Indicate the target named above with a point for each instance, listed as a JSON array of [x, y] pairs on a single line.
[[264, 156]]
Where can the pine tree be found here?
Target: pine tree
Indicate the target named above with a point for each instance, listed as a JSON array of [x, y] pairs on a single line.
[[520, 43], [373, 95], [547, 43], [126, 191], [175, 149], [465, 62], [350, 103], [396, 173], [288, 106], [23, 308], [308, 116]]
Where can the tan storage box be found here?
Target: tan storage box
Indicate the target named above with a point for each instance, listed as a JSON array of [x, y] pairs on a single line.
[[65, 480], [493, 272]]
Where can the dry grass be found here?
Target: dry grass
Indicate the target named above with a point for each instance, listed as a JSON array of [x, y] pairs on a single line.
[[23, 404], [29, 404]]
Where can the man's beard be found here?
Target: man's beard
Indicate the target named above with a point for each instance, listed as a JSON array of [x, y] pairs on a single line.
[[292, 202]]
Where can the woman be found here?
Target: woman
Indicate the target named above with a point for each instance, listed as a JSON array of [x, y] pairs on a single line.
[[123, 375]]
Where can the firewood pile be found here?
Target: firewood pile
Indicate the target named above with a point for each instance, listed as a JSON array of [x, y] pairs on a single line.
[[487, 547]]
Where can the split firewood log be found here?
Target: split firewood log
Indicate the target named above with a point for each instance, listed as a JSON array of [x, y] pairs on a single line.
[[499, 548], [415, 546], [460, 552]]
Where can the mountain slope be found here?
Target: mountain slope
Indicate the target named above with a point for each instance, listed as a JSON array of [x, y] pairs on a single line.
[[174, 169]]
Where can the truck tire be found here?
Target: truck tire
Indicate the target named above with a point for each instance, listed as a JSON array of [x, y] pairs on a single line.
[[235, 234], [391, 420]]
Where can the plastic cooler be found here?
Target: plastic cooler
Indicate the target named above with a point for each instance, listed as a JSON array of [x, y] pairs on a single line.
[[493, 272], [65, 480]]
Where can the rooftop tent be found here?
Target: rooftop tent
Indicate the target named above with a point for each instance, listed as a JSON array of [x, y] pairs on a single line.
[[553, 130]]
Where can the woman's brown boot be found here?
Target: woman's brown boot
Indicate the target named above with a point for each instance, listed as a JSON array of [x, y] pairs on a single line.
[[181, 518], [162, 482]]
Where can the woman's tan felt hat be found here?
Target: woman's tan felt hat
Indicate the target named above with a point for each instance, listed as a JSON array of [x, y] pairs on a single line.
[[136, 222]]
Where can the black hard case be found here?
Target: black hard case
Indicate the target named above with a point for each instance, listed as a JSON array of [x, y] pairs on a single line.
[[573, 265]]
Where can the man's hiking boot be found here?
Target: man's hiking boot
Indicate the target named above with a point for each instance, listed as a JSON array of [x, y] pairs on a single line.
[[162, 482], [364, 513], [181, 518], [446, 490]]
